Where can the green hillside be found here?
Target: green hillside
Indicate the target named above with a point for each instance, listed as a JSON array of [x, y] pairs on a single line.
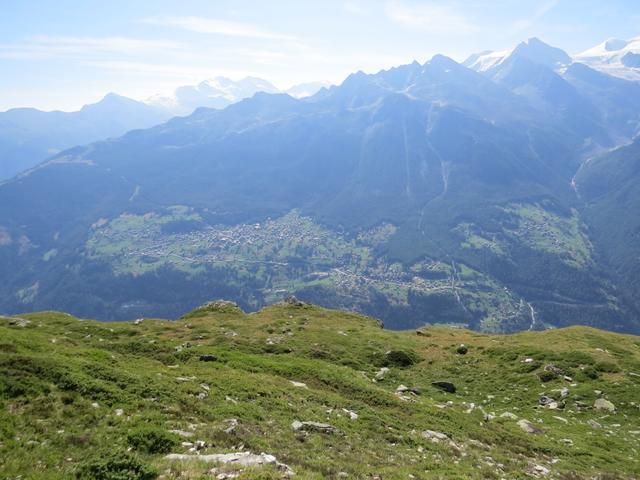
[[83, 399]]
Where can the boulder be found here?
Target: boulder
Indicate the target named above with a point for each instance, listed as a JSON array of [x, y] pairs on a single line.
[[312, 427], [603, 404], [292, 301], [244, 459], [528, 427], [435, 437]]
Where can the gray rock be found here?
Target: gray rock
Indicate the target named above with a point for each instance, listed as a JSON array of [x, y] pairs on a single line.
[[293, 302], [18, 322], [553, 369], [544, 400], [509, 415], [528, 427], [244, 459], [594, 424], [434, 436], [603, 404], [313, 427]]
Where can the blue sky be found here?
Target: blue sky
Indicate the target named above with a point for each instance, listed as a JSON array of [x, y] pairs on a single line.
[[61, 54]]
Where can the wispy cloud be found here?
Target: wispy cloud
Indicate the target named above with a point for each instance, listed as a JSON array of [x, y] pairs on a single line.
[[354, 8], [526, 23], [217, 27], [46, 47], [431, 17]]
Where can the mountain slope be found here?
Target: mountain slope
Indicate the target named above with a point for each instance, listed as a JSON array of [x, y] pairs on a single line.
[[76, 395], [29, 136], [424, 193], [609, 185]]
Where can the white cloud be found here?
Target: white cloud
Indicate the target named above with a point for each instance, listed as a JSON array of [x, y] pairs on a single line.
[[526, 23], [217, 27], [45, 47], [431, 17]]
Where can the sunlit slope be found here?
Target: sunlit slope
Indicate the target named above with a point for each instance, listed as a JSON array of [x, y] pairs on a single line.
[[85, 399]]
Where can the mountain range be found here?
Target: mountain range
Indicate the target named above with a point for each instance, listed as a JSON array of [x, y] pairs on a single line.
[[29, 136], [495, 195]]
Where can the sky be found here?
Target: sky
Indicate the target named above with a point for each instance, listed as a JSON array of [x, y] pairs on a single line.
[[61, 54]]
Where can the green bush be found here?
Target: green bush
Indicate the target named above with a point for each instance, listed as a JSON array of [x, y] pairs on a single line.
[[607, 367], [400, 358], [115, 466], [152, 440], [590, 372]]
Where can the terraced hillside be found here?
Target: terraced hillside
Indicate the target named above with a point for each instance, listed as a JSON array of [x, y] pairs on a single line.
[[296, 389]]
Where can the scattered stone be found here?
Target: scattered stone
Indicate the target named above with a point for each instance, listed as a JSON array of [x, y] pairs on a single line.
[[244, 459], [204, 386], [553, 369], [545, 400], [564, 393], [18, 322], [446, 386], [381, 373], [182, 433], [208, 358], [312, 427], [138, 321], [581, 405], [95, 405], [435, 437], [298, 384], [119, 412], [509, 415], [561, 419], [528, 427], [294, 302], [352, 415], [462, 349], [603, 404], [594, 424], [528, 360], [537, 471], [232, 425]]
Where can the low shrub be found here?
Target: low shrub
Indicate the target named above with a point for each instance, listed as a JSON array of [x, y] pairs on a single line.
[[151, 440], [115, 466]]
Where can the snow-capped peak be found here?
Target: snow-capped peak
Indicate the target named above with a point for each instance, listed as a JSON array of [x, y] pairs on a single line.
[[616, 57]]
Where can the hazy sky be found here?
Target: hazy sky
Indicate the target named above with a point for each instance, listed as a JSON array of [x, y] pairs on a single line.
[[60, 54]]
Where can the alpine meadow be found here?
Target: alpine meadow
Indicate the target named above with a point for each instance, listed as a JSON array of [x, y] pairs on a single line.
[[319, 240]]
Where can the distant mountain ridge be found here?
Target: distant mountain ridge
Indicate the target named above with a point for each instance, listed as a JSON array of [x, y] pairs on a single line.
[[425, 193], [221, 92], [619, 58], [28, 135]]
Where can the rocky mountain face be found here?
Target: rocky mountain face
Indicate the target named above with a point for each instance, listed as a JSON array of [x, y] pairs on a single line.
[[427, 193]]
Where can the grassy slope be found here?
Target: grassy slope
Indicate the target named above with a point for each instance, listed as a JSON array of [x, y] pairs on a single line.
[[53, 369]]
